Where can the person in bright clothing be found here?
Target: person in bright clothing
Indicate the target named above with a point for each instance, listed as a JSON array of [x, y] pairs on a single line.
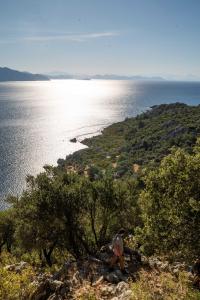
[[118, 250]]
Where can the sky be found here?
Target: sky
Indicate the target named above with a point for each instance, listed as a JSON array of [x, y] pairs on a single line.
[[125, 37]]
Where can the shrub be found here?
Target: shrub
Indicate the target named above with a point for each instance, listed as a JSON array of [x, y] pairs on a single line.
[[171, 206]]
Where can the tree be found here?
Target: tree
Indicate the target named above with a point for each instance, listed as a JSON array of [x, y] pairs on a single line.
[[50, 212], [6, 229], [170, 204], [37, 213], [73, 212], [111, 204]]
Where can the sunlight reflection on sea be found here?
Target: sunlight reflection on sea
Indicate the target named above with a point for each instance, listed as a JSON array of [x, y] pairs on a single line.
[[38, 119]]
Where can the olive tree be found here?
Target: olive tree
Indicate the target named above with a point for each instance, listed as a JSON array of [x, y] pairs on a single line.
[[170, 204]]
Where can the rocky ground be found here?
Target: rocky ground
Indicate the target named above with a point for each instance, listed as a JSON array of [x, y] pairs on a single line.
[[92, 279], [76, 278]]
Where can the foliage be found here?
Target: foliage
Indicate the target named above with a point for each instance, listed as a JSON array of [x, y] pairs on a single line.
[[64, 213], [6, 229], [142, 140], [15, 286], [170, 205], [72, 212]]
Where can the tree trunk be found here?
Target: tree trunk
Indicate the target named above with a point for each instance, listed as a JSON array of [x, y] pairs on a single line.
[[1, 245], [93, 226], [102, 233], [85, 245], [47, 254], [8, 246]]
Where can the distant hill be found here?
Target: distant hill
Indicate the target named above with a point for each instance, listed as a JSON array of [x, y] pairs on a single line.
[[57, 75], [123, 77], [7, 74]]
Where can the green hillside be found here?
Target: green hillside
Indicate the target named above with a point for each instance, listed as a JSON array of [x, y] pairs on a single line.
[[142, 140], [53, 238]]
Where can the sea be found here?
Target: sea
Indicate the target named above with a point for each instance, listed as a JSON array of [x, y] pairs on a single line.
[[38, 119]]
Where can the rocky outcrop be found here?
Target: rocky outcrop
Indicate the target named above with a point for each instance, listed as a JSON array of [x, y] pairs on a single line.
[[121, 291], [77, 277], [74, 140], [50, 289], [163, 265], [93, 272], [18, 267]]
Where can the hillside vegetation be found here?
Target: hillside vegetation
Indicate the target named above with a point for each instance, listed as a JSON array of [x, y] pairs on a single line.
[[143, 140], [70, 212]]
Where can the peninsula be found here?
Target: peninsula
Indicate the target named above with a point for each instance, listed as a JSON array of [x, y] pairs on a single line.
[[7, 74]]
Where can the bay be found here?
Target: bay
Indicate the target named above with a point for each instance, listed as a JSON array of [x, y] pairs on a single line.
[[38, 119]]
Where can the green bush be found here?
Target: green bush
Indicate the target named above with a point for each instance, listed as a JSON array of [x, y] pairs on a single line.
[[170, 205]]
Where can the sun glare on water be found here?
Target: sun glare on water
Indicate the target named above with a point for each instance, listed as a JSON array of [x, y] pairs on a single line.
[[81, 98]]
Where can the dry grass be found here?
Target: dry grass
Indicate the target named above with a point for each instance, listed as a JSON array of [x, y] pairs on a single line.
[[15, 285], [154, 285]]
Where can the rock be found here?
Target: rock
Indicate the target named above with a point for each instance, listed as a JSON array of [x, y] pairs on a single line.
[[145, 261], [76, 279], [21, 266], [55, 284], [165, 267], [108, 290], [133, 268], [133, 254], [41, 292], [105, 257], [175, 272], [74, 140], [50, 289], [98, 281], [156, 263], [112, 277], [177, 267], [115, 277], [16, 267], [55, 297], [180, 266], [121, 287], [65, 290], [67, 268], [9, 267], [126, 295]]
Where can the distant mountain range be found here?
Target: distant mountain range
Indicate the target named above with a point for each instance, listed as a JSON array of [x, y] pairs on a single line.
[[58, 75], [7, 74], [121, 77]]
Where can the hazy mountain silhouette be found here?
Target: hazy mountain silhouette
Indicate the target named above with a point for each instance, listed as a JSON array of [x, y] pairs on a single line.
[[7, 74], [123, 77], [61, 75]]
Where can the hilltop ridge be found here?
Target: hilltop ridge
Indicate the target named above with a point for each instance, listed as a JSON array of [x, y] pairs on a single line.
[[7, 74]]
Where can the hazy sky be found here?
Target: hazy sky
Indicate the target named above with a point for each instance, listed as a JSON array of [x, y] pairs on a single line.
[[150, 37]]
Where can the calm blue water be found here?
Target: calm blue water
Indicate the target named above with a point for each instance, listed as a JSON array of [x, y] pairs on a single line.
[[37, 119]]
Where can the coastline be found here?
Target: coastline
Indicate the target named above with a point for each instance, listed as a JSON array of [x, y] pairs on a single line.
[[141, 140], [80, 140], [117, 143], [26, 146]]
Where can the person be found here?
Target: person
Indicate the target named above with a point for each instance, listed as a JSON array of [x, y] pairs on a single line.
[[118, 250]]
